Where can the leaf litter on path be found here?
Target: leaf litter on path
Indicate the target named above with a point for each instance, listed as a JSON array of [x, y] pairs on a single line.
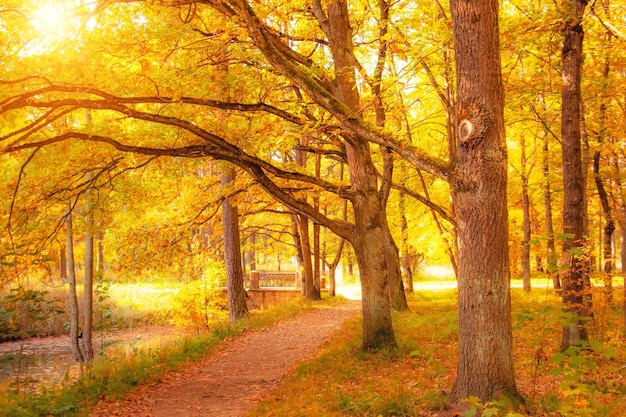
[[246, 368]]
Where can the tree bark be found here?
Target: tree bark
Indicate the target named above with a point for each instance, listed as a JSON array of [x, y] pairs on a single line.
[[609, 225], [553, 268], [237, 308], [479, 190], [575, 267], [73, 299], [396, 284], [63, 264], [316, 236], [252, 251], [297, 241], [407, 273], [307, 264], [332, 269], [525, 221], [371, 238], [100, 268], [609, 229], [87, 344], [623, 259]]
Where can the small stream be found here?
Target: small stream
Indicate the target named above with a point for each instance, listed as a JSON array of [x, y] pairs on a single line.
[[45, 362]]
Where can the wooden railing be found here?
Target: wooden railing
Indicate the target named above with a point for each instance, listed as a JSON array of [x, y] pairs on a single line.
[[272, 279]]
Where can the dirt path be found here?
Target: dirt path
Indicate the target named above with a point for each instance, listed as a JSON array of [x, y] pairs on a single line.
[[229, 383]]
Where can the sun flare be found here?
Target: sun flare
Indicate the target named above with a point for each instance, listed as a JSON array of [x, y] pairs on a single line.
[[58, 23], [51, 18]]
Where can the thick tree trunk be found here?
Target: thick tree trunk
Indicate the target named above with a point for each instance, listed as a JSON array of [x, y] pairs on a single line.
[[73, 299], [573, 275], [479, 189], [237, 308], [369, 244], [372, 239]]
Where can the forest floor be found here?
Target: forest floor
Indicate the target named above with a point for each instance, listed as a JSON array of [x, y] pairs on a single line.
[[244, 370]]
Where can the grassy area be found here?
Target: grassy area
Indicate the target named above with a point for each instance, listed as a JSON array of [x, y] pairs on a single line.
[[114, 376], [342, 381], [414, 379]]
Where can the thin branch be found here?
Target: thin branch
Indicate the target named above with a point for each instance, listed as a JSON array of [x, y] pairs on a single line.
[[545, 125], [15, 190], [26, 99], [433, 206]]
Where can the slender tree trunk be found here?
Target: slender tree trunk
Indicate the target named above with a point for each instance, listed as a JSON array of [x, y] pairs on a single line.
[[547, 201], [452, 136], [316, 237], [609, 225], [332, 269], [252, 251], [89, 278], [479, 190], [62, 264], [573, 275], [350, 262], [589, 264], [447, 100], [407, 273], [307, 264], [237, 308], [623, 259], [73, 299], [396, 285], [297, 241], [609, 228], [525, 221], [100, 268]]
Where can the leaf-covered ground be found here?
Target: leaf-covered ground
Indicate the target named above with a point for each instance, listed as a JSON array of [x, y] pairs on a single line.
[[414, 380]]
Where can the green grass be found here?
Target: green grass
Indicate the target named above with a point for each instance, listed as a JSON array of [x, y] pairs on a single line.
[[414, 379], [115, 375]]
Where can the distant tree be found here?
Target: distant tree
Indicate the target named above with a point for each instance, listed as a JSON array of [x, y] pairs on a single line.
[[609, 224], [524, 172], [73, 300], [88, 283], [552, 266]]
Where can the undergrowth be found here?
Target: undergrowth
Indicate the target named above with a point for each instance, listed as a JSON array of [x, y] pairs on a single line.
[[414, 379], [115, 374]]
